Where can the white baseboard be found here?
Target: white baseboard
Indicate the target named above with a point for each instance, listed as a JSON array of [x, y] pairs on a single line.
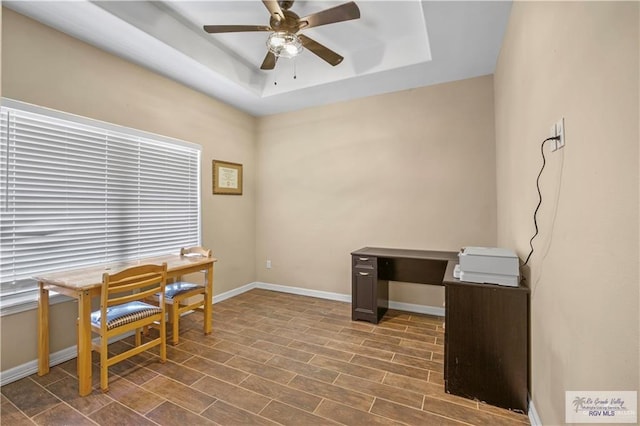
[[232, 293], [304, 292], [28, 368], [421, 309], [534, 418], [410, 307]]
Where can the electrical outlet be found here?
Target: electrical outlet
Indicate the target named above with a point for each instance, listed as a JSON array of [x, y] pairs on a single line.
[[552, 133], [268, 264], [560, 132], [557, 130]]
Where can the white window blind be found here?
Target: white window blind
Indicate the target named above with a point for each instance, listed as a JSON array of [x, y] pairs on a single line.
[[77, 192]]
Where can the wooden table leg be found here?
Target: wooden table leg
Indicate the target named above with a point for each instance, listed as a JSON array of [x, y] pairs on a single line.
[[84, 343], [208, 304], [43, 331]]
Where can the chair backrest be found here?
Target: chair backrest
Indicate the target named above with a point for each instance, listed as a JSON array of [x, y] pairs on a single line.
[[196, 250], [131, 284]]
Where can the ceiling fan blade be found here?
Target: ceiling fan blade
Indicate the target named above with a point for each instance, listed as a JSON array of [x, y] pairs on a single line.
[[321, 51], [269, 62], [274, 9], [214, 29], [343, 12]]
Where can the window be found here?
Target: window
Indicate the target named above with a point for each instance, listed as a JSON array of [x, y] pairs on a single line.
[[77, 192]]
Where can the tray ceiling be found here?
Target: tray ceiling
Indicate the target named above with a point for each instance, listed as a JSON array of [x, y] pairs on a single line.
[[395, 45]]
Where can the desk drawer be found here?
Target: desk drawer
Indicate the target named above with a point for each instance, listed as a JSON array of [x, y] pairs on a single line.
[[364, 262]]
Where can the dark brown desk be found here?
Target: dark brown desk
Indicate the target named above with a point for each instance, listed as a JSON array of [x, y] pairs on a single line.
[[487, 325], [373, 268]]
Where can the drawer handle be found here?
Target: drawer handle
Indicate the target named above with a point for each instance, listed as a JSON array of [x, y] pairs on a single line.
[[364, 259], [363, 273]]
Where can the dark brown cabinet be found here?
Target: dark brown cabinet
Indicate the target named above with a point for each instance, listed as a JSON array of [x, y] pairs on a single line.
[[366, 288], [487, 343]]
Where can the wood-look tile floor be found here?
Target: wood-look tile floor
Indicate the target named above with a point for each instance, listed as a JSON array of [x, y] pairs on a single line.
[[273, 358]]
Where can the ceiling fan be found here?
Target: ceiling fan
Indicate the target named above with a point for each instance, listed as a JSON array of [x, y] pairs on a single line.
[[284, 41]]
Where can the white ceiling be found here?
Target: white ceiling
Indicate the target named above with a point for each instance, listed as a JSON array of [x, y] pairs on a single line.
[[395, 45]]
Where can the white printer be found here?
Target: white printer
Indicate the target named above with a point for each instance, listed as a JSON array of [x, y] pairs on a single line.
[[490, 265]]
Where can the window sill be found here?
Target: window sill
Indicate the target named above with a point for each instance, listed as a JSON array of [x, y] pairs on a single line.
[[14, 304]]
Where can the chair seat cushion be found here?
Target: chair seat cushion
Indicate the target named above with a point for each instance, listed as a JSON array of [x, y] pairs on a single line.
[[126, 313], [175, 289]]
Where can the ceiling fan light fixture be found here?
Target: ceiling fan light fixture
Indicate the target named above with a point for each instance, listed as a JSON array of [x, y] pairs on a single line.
[[284, 44]]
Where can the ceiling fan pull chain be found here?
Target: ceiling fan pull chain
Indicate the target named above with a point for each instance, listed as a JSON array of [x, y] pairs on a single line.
[[294, 69]]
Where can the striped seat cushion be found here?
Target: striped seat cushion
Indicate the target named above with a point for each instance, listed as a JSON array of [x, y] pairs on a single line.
[[125, 314], [175, 289]]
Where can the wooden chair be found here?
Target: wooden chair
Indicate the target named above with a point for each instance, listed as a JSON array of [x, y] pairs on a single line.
[[122, 304], [177, 294]]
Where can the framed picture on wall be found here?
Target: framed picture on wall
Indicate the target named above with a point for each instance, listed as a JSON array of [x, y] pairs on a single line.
[[227, 178]]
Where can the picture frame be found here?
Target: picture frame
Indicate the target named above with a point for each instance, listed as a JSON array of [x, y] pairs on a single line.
[[227, 178]]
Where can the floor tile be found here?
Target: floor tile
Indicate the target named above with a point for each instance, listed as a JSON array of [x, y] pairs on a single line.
[[267, 337], [348, 368], [418, 362], [465, 414], [29, 397], [56, 373], [67, 390], [347, 415], [303, 336], [133, 396], [208, 352], [285, 351], [292, 396], [217, 370], [10, 415], [392, 367], [269, 372], [410, 416], [244, 351], [179, 393], [420, 337], [333, 392], [516, 416], [117, 414], [398, 348], [291, 416], [225, 414], [311, 348], [61, 414], [272, 358], [332, 335], [401, 396], [177, 372], [361, 350], [385, 338], [425, 388], [426, 346], [234, 395], [303, 369], [171, 414]]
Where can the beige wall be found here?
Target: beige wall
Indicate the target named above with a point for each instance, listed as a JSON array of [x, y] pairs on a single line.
[[578, 61], [48, 68], [413, 169]]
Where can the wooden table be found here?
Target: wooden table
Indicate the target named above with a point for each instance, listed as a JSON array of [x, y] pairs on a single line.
[[85, 283]]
